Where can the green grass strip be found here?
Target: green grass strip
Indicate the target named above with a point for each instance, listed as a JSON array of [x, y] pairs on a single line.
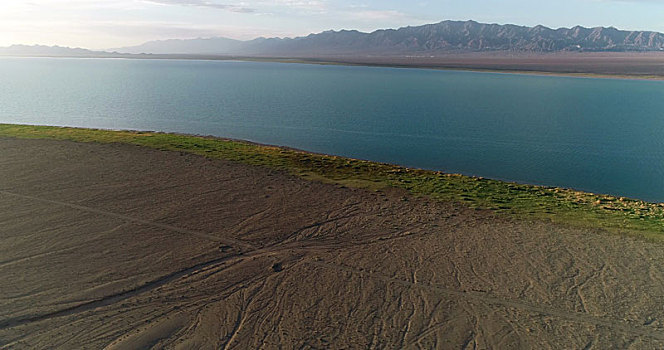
[[523, 201]]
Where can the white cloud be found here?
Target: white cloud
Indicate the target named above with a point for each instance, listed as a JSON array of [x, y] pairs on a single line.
[[371, 15], [205, 3]]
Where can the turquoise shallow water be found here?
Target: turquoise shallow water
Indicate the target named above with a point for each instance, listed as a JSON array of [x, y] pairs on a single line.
[[598, 135]]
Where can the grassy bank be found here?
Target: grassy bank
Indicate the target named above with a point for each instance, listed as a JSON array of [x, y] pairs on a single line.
[[532, 202]]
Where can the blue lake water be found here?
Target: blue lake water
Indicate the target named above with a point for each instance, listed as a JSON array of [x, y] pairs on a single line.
[[598, 135]]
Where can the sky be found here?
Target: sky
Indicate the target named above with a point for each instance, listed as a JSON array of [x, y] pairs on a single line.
[[104, 24]]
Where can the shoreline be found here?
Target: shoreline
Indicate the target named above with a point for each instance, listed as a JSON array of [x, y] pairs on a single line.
[[556, 204], [460, 67]]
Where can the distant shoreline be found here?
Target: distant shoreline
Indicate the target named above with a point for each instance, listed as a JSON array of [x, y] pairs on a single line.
[[463, 69], [634, 66]]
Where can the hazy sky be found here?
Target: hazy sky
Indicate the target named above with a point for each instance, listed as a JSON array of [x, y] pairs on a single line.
[[103, 24]]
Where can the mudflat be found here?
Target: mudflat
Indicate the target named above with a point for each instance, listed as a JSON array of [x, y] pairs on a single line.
[[632, 65], [125, 247]]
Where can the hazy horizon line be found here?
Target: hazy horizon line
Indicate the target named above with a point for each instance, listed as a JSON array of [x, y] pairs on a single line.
[[320, 32]]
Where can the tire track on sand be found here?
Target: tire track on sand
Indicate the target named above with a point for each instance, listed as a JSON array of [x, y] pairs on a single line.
[[114, 298], [228, 241], [483, 297], [148, 286]]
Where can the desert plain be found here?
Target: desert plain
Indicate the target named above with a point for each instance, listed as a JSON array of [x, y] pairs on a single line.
[[124, 247]]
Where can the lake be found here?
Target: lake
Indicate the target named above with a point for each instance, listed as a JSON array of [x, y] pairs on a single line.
[[597, 135]]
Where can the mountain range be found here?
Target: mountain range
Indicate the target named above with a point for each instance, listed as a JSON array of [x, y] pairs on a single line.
[[446, 36], [43, 50], [431, 39]]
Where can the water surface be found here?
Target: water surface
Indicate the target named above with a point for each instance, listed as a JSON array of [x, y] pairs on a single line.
[[597, 135]]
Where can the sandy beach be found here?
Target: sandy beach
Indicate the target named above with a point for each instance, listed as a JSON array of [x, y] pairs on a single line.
[[123, 247]]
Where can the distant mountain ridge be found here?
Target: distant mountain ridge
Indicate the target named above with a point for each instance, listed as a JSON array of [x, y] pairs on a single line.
[[446, 36], [430, 39], [186, 46], [42, 50]]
